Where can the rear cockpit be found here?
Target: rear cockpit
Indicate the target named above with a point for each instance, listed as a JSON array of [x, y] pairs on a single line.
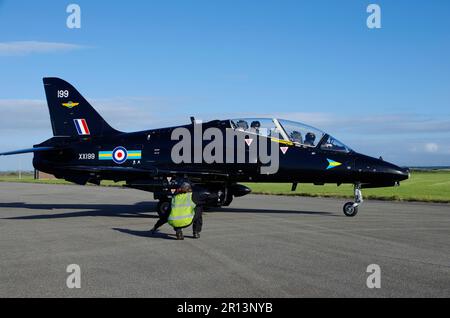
[[290, 131]]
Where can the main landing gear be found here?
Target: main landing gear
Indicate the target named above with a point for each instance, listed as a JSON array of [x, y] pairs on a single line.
[[351, 208], [163, 207]]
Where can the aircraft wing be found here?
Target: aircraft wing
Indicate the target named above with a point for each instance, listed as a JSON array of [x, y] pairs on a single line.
[[192, 173], [106, 169], [24, 151], [150, 171]]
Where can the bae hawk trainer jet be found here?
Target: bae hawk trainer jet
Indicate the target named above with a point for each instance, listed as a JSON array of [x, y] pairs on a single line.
[[86, 149]]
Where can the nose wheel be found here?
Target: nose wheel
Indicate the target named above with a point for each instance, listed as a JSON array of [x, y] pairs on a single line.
[[351, 208]]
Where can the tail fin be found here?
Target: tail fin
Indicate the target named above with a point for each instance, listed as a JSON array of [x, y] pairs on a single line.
[[71, 115]]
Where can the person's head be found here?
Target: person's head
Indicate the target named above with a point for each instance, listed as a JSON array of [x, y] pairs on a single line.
[[255, 125], [296, 136], [310, 138], [185, 187]]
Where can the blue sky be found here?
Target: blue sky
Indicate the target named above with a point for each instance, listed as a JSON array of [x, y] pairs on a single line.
[[146, 64]]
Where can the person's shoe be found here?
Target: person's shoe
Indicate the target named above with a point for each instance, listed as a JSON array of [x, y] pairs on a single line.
[[153, 231], [180, 236], [196, 235]]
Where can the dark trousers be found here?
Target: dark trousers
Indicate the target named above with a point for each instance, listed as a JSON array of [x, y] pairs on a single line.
[[198, 220], [196, 225]]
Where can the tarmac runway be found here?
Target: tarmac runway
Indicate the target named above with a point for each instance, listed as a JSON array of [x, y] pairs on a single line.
[[261, 246]]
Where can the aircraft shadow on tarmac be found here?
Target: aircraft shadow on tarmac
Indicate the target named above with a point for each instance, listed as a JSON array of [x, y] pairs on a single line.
[[299, 212], [138, 210], [148, 234]]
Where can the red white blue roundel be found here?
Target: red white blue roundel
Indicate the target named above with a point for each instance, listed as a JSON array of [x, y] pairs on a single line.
[[119, 155]]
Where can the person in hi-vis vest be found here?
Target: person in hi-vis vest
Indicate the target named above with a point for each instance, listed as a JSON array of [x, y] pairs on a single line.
[[186, 209]]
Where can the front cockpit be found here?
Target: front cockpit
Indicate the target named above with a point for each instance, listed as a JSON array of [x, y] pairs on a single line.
[[290, 131]]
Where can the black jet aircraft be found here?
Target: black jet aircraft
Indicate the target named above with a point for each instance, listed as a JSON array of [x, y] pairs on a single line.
[[86, 149]]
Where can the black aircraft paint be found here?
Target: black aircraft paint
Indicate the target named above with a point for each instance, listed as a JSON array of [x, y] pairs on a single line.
[[86, 149]]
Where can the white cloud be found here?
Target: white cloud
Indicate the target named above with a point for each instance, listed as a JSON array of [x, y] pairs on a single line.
[[21, 48], [23, 115], [139, 113], [431, 147], [20, 116], [404, 139], [378, 124], [439, 147]]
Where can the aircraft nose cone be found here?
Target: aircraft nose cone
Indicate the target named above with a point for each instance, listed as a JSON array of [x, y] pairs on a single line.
[[379, 172], [398, 173], [405, 172]]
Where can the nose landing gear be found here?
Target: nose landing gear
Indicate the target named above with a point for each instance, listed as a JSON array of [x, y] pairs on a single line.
[[351, 208]]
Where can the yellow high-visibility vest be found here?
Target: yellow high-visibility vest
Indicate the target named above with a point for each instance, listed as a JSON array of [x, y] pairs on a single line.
[[183, 210]]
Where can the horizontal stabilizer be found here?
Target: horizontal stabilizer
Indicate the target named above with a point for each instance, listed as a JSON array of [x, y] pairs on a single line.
[[23, 151]]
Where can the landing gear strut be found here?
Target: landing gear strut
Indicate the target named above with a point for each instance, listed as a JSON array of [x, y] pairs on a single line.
[[351, 208]]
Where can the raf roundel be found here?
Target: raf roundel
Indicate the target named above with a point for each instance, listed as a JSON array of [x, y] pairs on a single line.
[[119, 155]]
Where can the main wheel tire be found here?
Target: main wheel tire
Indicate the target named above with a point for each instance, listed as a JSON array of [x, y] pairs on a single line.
[[350, 210], [163, 208]]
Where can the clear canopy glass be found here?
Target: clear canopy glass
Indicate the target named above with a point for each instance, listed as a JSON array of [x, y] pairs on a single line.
[[301, 133], [333, 144], [262, 126], [298, 133]]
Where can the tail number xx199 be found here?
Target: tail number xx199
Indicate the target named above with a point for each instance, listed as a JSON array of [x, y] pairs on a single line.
[[86, 156]]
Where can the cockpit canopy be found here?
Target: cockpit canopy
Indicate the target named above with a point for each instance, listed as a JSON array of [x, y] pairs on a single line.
[[295, 132]]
